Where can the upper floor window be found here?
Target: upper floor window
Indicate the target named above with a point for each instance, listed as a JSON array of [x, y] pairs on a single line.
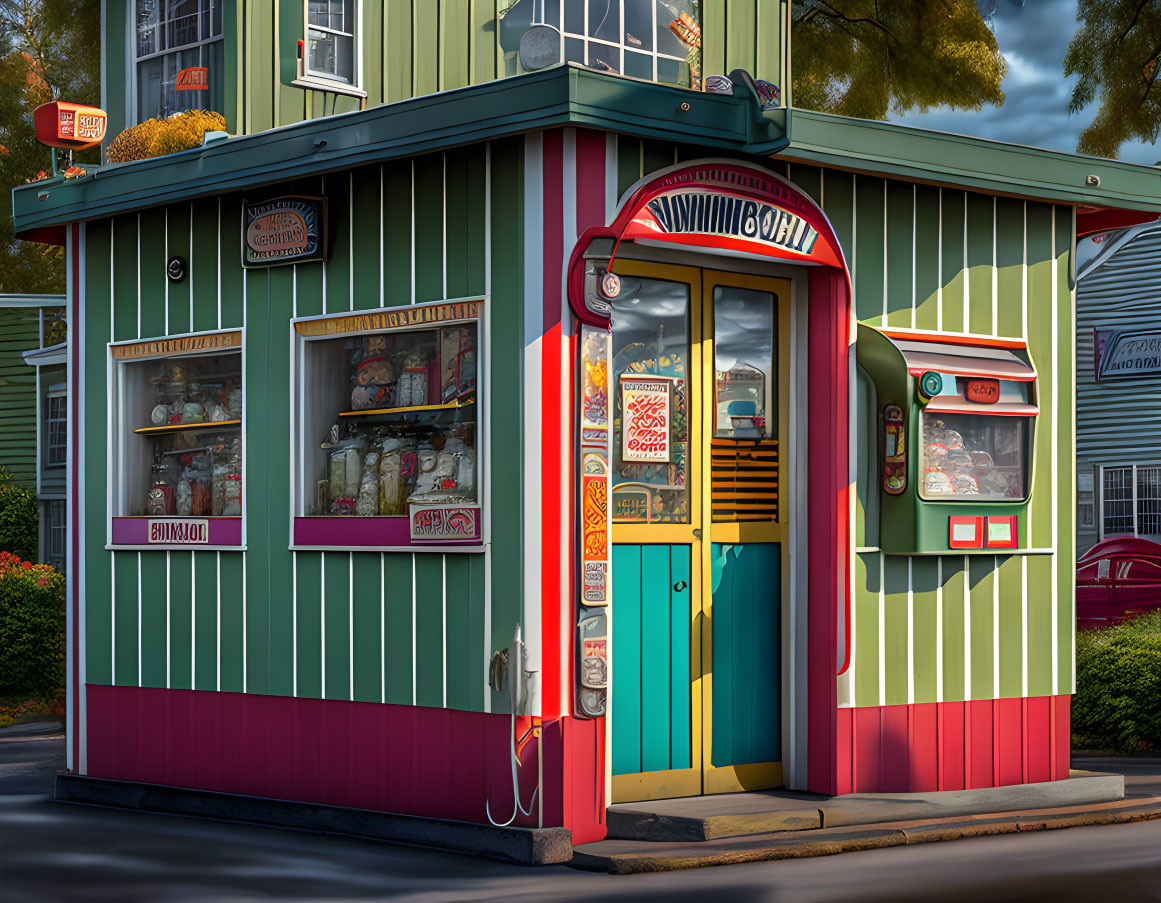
[[656, 40], [330, 39], [56, 423], [180, 54]]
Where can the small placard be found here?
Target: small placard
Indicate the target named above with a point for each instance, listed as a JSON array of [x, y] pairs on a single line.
[[445, 523], [646, 411], [284, 230], [1001, 533], [179, 531], [965, 532], [982, 390]]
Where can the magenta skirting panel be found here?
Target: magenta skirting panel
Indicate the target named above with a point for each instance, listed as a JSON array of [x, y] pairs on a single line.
[[370, 532], [219, 531], [439, 763], [953, 745]]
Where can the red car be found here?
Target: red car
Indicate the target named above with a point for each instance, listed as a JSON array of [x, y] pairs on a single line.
[[1116, 578]]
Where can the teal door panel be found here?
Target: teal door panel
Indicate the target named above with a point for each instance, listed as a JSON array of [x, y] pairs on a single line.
[[747, 589], [651, 658]]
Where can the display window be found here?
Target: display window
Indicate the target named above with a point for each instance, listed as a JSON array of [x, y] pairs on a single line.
[[974, 457], [178, 441], [389, 418]]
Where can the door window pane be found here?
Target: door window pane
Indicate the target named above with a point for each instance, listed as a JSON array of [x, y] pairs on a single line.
[[744, 333], [651, 339]]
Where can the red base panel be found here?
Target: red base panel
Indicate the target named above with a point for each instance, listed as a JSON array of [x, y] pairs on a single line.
[[439, 763], [953, 745]]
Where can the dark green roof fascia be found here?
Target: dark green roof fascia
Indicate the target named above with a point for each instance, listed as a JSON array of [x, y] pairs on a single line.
[[883, 148], [565, 95]]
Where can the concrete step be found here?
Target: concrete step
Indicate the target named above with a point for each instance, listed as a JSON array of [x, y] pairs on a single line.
[[706, 818], [623, 857]]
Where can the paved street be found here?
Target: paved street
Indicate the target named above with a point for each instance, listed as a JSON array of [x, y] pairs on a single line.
[[57, 852]]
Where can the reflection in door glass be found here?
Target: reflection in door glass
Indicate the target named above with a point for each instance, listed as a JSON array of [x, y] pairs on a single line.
[[650, 428], [747, 401]]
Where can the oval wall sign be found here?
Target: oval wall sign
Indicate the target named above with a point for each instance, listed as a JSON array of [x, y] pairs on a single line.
[[285, 230]]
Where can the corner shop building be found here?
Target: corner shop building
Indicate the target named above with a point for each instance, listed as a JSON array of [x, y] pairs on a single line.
[[816, 572]]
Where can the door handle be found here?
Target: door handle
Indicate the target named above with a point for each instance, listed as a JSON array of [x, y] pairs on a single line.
[[697, 533], [679, 586]]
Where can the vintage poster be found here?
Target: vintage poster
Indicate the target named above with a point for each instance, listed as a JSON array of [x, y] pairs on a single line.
[[594, 530], [595, 386], [646, 411]]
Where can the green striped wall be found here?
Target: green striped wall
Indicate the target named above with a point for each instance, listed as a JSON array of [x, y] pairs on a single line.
[[19, 332], [395, 627], [931, 628], [410, 48]]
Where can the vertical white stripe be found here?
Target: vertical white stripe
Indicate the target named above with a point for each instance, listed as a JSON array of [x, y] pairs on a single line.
[[322, 618], [382, 633], [167, 617], [885, 233], [413, 232], [1054, 445], [1070, 459], [967, 299], [218, 247], [996, 627], [485, 390], [967, 630], [910, 634], [218, 622], [139, 645], [1023, 625], [995, 275], [610, 176], [939, 269], [351, 625], [414, 689], [939, 629], [882, 629], [914, 248], [443, 623], [294, 623]]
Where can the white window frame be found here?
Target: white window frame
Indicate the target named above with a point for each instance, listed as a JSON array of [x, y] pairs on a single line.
[[1135, 497], [138, 58], [49, 420], [320, 81]]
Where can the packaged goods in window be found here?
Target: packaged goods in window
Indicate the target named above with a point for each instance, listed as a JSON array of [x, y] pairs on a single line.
[[968, 456], [458, 363]]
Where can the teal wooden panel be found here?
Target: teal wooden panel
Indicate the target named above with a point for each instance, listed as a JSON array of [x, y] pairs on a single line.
[[204, 265], [153, 616], [680, 662], [180, 620], [626, 607], [230, 638], [125, 664], [308, 620], [205, 620], [656, 628], [870, 197], [430, 259], [465, 626], [955, 284], [177, 220], [926, 257], [367, 220], [746, 581], [336, 584], [125, 278], [230, 249], [900, 248], [337, 282], [981, 211], [396, 248], [368, 627], [429, 621], [154, 282], [397, 627]]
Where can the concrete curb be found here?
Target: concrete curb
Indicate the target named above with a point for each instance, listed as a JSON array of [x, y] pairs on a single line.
[[526, 846], [632, 857]]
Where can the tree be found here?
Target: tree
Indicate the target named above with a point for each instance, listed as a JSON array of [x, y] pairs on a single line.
[[863, 58], [48, 49], [1114, 55]]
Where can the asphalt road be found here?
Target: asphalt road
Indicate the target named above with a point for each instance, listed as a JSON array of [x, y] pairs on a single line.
[[51, 851]]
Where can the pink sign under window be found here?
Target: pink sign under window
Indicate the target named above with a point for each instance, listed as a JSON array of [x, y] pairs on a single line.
[[646, 412]]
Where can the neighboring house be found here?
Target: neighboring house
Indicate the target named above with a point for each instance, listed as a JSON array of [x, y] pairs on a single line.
[[1118, 384], [28, 323]]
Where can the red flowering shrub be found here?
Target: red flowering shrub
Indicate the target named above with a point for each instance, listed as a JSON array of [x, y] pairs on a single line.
[[32, 628]]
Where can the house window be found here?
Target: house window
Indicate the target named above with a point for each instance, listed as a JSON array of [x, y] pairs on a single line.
[[56, 430], [180, 54], [55, 534], [647, 39], [1130, 501], [330, 39]]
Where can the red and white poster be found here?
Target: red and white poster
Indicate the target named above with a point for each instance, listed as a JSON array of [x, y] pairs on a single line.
[[646, 411]]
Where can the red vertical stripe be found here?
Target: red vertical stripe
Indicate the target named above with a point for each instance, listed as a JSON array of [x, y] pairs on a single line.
[[895, 755], [1009, 741], [924, 758], [980, 748], [844, 727], [1039, 765], [953, 727]]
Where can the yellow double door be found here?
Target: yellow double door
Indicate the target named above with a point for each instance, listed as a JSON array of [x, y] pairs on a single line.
[[698, 536]]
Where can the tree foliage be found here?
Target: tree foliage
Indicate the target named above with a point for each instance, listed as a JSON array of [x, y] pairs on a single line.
[[865, 58], [1114, 55], [49, 49]]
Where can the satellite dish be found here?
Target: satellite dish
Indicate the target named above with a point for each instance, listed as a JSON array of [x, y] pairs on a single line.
[[540, 47]]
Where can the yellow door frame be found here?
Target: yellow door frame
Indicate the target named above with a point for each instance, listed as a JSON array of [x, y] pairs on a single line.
[[703, 777]]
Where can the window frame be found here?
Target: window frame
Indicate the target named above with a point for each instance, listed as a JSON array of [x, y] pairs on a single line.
[[1134, 498], [133, 38], [50, 396], [1028, 421], [300, 441], [321, 81]]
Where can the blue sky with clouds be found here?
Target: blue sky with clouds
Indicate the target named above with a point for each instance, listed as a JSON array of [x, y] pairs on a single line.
[[1033, 38]]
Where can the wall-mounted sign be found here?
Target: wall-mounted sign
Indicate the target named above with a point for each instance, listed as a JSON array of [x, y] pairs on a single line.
[[704, 212], [187, 531], [441, 523], [1122, 355], [216, 341], [646, 416], [982, 390], [285, 230], [403, 317], [175, 268], [594, 529], [195, 78], [894, 450], [71, 125]]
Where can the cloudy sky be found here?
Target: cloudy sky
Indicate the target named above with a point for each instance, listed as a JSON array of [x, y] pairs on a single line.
[[1033, 37]]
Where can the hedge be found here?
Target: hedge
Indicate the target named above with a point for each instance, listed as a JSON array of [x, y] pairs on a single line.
[[19, 518], [158, 137], [1117, 705], [32, 627]]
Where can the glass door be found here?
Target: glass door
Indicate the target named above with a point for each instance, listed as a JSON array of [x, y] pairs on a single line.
[[699, 409]]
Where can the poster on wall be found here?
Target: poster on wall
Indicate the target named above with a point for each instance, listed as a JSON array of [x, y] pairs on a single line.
[[284, 230], [1119, 355], [647, 412]]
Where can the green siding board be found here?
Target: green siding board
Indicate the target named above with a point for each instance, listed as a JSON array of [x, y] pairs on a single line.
[[838, 192], [232, 631], [900, 251], [308, 620], [154, 282], [656, 155], [454, 43], [1065, 448], [177, 242], [204, 265], [232, 275], [337, 637], [337, 268], [869, 578], [483, 46], [741, 37], [367, 220], [925, 635], [19, 332], [954, 598], [980, 218], [429, 223], [954, 307], [895, 652], [429, 630], [367, 627], [1040, 637], [1011, 628], [398, 628], [397, 53], [396, 249], [425, 43], [1039, 347], [124, 278], [372, 24], [463, 672], [1010, 264], [768, 49], [205, 621], [261, 45], [981, 582], [926, 257], [713, 37], [180, 620], [461, 223], [869, 240], [628, 163], [153, 619], [808, 179], [125, 607]]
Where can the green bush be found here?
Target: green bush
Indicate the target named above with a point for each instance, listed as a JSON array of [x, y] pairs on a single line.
[[19, 518], [1117, 705], [32, 627]]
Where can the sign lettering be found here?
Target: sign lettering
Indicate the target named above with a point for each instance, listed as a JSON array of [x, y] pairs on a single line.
[[166, 347], [714, 213], [645, 407], [71, 125], [1121, 355], [179, 532], [285, 230], [443, 523], [394, 319], [195, 78], [982, 391]]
